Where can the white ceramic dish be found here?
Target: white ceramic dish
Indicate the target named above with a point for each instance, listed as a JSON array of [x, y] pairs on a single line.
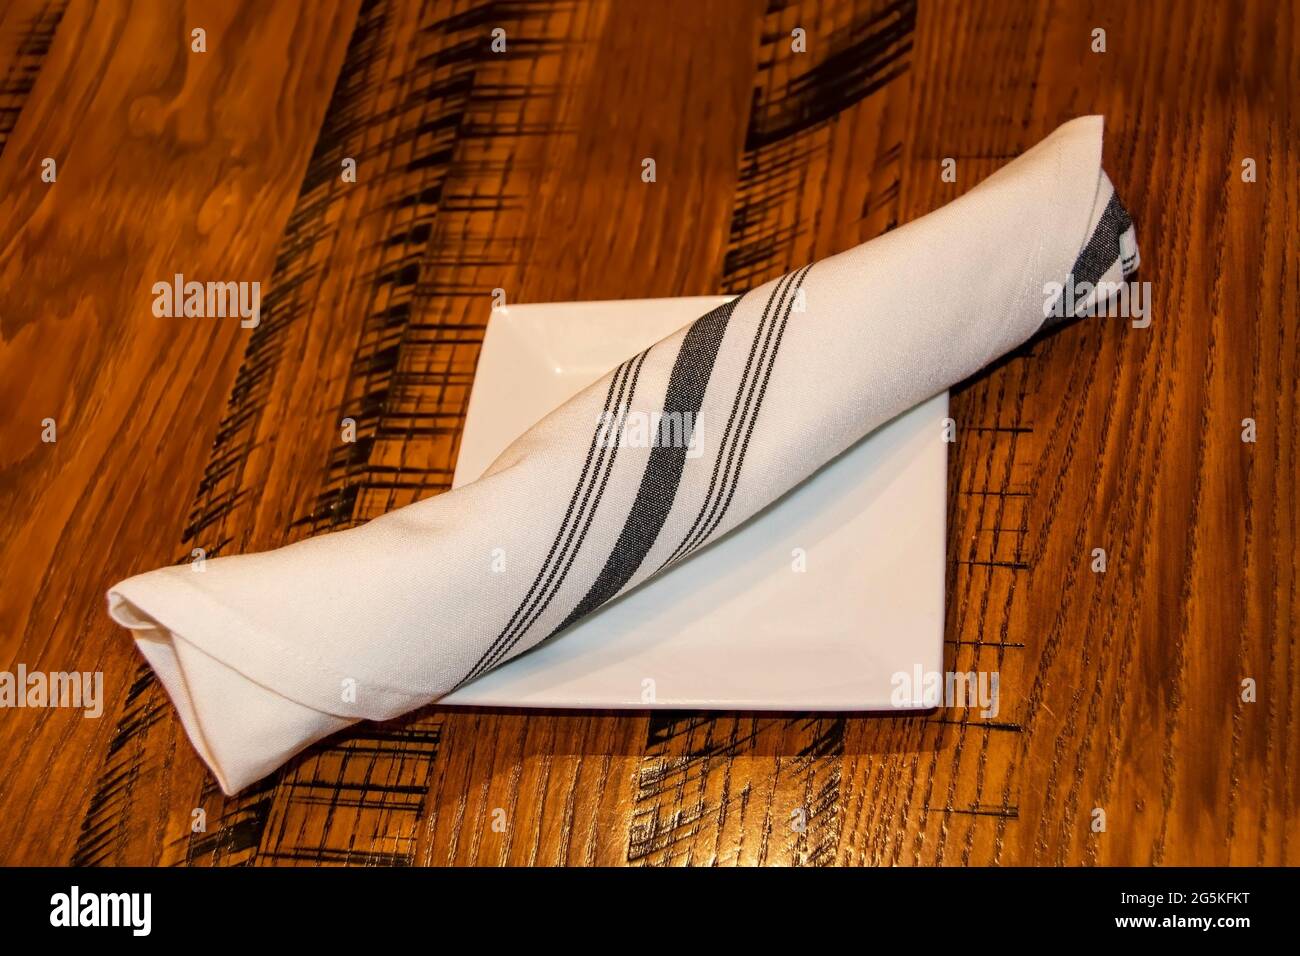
[[744, 630]]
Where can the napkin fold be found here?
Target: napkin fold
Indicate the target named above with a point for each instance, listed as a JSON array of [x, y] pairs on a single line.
[[264, 654]]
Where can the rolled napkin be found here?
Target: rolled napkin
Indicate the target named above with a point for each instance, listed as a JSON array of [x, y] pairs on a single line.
[[264, 654]]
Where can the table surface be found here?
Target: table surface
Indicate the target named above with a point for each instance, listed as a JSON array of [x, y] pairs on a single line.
[[1121, 691]]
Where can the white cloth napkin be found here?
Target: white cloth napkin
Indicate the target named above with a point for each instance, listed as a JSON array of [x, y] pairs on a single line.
[[264, 654]]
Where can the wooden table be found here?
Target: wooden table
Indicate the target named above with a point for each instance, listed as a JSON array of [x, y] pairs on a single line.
[[476, 170]]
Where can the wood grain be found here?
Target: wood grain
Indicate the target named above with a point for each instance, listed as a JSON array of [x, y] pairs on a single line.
[[520, 171], [168, 161]]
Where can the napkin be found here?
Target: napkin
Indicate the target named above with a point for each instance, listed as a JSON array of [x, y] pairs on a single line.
[[264, 654]]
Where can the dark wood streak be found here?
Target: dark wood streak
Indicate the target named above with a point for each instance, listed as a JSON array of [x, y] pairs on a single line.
[[401, 391], [26, 31]]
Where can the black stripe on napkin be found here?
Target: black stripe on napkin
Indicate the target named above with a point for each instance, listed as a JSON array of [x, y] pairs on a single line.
[[778, 290], [1100, 253], [663, 471], [599, 474], [755, 405], [708, 517]]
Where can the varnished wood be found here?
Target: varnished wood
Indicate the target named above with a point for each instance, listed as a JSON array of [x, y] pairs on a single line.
[[479, 171], [168, 161]]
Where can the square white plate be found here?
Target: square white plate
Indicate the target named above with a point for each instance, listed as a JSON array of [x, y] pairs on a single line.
[[744, 630]]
